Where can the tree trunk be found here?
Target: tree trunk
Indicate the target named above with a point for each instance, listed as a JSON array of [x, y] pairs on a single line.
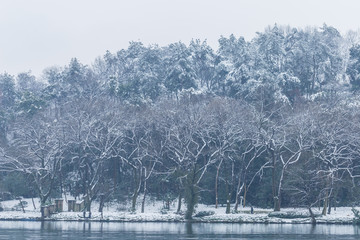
[[42, 206], [313, 220], [101, 205], [275, 195], [87, 206], [190, 202], [115, 174], [65, 196], [325, 204], [245, 191], [179, 203], [216, 189], [143, 200], [238, 192], [133, 201], [191, 194], [190, 208], [32, 199], [22, 205], [326, 201], [276, 204], [238, 189], [42, 200], [89, 209], [136, 189], [216, 184], [61, 184], [277, 198], [143, 204], [335, 192], [228, 199]]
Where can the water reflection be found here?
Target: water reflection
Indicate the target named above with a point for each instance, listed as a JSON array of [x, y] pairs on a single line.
[[86, 227], [189, 228], [313, 229], [174, 229]]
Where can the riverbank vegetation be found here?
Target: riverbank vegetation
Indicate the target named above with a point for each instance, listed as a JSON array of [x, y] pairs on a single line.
[[272, 122]]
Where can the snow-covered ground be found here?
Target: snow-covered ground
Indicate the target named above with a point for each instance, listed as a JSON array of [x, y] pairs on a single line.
[[154, 212]]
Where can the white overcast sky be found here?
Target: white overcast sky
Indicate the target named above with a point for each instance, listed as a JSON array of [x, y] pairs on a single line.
[[35, 34]]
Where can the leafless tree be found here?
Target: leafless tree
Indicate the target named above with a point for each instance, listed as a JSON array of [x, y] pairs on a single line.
[[37, 150], [92, 140]]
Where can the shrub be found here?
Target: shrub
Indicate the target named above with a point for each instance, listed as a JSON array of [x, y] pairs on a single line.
[[204, 214]]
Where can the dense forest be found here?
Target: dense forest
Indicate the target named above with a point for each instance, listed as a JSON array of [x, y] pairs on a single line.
[[272, 122]]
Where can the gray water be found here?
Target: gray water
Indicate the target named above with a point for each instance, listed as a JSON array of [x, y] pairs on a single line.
[[154, 231]]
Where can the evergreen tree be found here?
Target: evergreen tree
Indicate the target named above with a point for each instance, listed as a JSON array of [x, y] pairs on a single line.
[[353, 69]]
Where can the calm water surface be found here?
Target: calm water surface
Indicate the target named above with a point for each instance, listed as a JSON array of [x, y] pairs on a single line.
[[154, 231]]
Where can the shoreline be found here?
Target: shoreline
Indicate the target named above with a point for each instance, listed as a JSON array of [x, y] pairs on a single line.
[[239, 220], [155, 212], [185, 221]]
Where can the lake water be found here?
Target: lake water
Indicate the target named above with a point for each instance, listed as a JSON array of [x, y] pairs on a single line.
[[154, 231]]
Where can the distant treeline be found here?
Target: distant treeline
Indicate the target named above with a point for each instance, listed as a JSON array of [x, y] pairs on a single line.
[[272, 122]]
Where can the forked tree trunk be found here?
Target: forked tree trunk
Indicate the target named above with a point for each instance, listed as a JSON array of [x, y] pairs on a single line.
[[313, 220]]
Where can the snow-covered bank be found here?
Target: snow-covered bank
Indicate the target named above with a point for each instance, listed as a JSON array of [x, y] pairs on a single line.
[[154, 212]]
